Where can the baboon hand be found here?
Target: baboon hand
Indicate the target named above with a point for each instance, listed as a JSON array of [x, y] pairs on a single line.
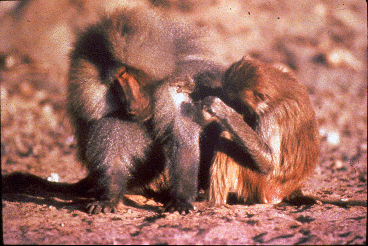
[[101, 206], [216, 107], [180, 205]]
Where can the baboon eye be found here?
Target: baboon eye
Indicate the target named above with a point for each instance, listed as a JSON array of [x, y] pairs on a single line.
[[126, 29], [231, 95], [259, 95]]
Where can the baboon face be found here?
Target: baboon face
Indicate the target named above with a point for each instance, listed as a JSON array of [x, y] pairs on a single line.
[[137, 99]]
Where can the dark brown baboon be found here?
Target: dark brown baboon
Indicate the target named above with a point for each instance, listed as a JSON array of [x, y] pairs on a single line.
[[128, 98], [135, 123]]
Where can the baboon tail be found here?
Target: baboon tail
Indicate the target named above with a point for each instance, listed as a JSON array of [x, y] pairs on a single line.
[[26, 183]]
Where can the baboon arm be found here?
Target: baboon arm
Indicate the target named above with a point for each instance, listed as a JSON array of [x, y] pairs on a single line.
[[243, 135]]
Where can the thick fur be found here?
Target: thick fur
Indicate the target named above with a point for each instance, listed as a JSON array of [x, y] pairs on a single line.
[[276, 125], [136, 124], [128, 98]]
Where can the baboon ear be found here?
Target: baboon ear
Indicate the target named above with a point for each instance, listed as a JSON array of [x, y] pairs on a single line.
[[138, 101]]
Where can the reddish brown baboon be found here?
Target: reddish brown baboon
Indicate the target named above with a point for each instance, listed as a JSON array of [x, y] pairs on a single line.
[[276, 126]]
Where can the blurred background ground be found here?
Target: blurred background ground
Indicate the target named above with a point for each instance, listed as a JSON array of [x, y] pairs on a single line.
[[325, 42]]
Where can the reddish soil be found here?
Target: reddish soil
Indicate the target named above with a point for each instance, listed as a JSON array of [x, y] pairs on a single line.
[[323, 41]]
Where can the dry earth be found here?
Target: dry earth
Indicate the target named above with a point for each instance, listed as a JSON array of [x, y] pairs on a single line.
[[325, 43]]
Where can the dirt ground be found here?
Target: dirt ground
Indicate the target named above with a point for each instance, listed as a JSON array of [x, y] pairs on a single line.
[[325, 43]]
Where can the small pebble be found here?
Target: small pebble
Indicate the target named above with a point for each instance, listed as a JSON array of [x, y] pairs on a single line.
[[333, 138], [53, 178], [338, 164]]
